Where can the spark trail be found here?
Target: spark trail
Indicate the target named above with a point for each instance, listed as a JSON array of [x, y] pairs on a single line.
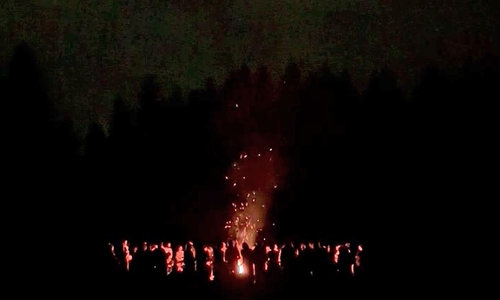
[[252, 179]]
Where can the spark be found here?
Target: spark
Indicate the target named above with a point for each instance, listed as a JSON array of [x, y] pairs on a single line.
[[252, 176]]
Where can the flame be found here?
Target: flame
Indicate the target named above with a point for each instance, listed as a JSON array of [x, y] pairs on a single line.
[[241, 269]]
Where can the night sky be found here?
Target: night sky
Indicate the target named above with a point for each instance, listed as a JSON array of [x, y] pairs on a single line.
[[91, 50]]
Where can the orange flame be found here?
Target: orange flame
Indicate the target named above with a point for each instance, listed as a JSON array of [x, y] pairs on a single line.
[[240, 269]]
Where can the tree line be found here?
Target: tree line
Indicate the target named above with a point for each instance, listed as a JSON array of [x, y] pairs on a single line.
[[166, 160]]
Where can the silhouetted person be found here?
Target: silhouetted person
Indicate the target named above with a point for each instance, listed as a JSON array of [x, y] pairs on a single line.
[[232, 256], [260, 260], [179, 259], [358, 266], [273, 261], [220, 261], [190, 259], [143, 261], [112, 262], [287, 258], [320, 261], [133, 262], [298, 264], [169, 257], [159, 261], [345, 261], [247, 256], [204, 264]]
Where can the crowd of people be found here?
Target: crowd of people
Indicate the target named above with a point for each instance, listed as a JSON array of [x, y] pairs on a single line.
[[234, 260]]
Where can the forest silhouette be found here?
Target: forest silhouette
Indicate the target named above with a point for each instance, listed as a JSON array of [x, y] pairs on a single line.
[[374, 153]]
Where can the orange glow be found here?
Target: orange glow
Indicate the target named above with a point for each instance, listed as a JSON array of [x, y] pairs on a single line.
[[241, 269], [252, 178]]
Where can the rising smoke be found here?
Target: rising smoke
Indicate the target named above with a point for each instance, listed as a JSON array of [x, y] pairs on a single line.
[[253, 179]]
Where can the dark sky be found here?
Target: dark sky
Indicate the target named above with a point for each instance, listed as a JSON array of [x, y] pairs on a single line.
[[92, 49]]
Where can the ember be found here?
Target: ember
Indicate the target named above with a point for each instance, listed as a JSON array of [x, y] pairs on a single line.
[[252, 180]]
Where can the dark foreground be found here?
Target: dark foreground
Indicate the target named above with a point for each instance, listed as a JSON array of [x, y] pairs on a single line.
[[234, 288]]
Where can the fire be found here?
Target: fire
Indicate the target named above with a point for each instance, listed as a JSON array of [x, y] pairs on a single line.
[[241, 269]]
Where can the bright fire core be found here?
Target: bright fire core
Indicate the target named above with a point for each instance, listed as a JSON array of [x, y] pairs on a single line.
[[240, 268], [252, 179]]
